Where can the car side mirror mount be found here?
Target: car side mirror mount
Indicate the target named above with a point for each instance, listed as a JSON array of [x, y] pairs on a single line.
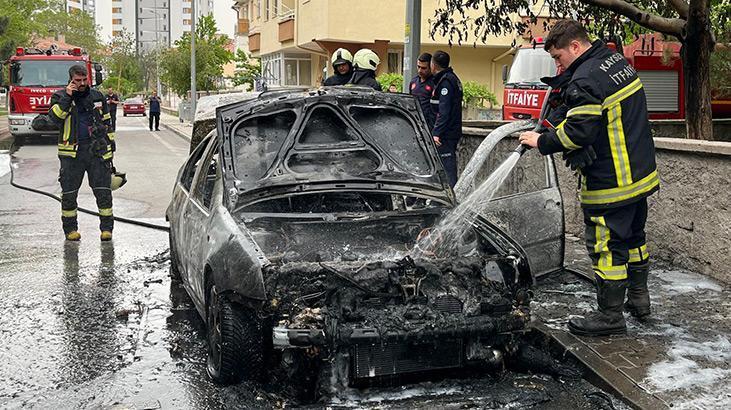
[[505, 73]]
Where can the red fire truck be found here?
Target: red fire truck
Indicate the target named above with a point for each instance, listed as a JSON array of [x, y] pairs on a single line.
[[33, 75], [658, 65]]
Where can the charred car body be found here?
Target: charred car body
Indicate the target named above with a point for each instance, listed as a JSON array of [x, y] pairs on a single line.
[[292, 226]]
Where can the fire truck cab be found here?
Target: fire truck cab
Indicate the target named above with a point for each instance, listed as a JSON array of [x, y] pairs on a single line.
[[33, 75], [658, 65]]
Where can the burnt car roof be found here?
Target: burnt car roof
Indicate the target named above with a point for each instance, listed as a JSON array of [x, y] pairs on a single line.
[[331, 138]]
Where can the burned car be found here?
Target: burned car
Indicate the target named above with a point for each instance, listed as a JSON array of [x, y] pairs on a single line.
[[293, 226]]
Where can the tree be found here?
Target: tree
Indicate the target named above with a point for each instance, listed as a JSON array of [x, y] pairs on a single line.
[[688, 22], [17, 29], [121, 63], [211, 55], [247, 69], [77, 27]]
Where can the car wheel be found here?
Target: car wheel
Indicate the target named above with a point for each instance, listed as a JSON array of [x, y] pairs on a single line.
[[234, 334], [125, 114], [174, 268]]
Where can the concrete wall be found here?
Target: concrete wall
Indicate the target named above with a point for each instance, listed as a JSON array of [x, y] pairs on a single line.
[[689, 222]]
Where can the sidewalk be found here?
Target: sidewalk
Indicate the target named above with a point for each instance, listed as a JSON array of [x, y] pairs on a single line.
[[172, 123], [679, 358]]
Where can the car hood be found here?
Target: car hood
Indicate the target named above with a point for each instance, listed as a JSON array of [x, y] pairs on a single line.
[[335, 138]]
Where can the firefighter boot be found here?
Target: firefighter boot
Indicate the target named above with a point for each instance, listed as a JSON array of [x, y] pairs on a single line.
[[608, 320], [106, 236], [638, 296], [73, 236]]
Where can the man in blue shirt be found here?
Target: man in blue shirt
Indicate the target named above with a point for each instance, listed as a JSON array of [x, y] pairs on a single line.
[[446, 104], [155, 110], [422, 86]]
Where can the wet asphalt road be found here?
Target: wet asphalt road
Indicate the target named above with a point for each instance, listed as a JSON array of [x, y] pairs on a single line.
[[100, 325]]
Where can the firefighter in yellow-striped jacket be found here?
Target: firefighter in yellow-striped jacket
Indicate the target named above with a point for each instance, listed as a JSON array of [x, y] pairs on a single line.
[[606, 135], [85, 145]]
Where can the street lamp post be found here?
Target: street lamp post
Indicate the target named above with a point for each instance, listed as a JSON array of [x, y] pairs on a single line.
[[193, 95]]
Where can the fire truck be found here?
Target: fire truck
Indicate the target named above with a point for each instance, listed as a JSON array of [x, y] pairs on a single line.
[[33, 75], [658, 65]]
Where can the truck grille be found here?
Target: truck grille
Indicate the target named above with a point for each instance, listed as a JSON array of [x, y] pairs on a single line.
[[388, 359], [41, 109]]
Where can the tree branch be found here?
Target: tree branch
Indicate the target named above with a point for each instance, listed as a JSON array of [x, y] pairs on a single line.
[[671, 26], [681, 6]]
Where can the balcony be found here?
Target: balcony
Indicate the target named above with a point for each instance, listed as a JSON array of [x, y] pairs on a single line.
[[286, 30], [254, 42], [242, 27]]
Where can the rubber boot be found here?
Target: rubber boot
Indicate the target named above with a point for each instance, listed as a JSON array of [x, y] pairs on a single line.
[[106, 236], [73, 236], [608, 320], [638, 296]]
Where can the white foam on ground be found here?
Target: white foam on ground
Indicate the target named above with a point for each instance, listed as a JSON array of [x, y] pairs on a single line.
[[4, 162], [677, 282], [699, 368]]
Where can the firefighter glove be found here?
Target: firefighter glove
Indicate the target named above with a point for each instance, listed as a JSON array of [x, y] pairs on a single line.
[[579, 158]]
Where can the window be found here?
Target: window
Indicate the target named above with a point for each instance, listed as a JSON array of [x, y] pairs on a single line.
[[258, 9], [297, 71], [186, 22], [116, 33], [116, 9], [275, 8], [266, 10], [117, 21], [186, 10], [186, 177], [272, 68], [395, 58]]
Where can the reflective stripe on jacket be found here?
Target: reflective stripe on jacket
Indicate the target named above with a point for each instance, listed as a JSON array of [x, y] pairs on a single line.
[[63, 111], [607, 110]]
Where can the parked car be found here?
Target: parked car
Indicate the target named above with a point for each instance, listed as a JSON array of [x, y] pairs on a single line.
[[133, 106], [292, 226]]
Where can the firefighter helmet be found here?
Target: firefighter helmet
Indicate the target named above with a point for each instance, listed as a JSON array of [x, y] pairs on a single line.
[[118, 179], [366, 59], [341, 56]]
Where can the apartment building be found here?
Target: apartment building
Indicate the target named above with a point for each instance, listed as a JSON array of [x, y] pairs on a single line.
[[81, 5], [295, 38], [152, 23]]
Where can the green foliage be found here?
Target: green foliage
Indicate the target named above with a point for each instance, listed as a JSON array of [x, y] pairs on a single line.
[[386, 79], [211, 55], [122, 86], [247, 69], [16, 28], [77, 27], [121, 60], [721, 73], [476, 94]]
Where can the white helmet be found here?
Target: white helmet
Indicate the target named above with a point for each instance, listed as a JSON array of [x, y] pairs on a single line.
[[341, 56], [118, 179], [366, 59]]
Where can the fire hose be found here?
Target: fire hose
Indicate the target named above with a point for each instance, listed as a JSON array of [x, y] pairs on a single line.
[[84, 210]]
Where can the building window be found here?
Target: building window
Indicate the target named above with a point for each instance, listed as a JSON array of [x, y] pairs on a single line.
[[297, 71], [116, 21], [116, 33], [186, 10], [395, 58], [258, 9], [271, 65], [116, 9], [186, 22], [266, 10], [275, 8]]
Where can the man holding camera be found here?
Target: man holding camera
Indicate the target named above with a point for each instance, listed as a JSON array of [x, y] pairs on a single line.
[[85, 145]]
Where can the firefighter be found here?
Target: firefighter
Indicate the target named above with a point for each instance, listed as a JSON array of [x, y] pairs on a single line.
[[446, 105], [342, 62], [85, 145], [605, 135], [365, 63], [422, 85]]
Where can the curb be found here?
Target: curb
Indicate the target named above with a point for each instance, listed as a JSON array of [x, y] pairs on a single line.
[[176, 131]]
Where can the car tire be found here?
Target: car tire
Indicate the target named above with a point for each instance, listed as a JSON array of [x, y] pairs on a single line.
[[234, 335], [125, 114], [174, 268]]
